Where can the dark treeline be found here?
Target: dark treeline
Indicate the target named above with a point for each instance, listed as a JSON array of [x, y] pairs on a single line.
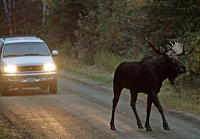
[[84, 28], [20, 17]]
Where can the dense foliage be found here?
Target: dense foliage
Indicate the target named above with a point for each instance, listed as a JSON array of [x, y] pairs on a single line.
[[120, 26], [112, 27], [177, 19]]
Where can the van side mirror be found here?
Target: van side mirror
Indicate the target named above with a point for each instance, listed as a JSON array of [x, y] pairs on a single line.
[[55, 53]]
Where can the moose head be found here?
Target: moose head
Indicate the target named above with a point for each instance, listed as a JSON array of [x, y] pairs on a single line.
[[174, 65]]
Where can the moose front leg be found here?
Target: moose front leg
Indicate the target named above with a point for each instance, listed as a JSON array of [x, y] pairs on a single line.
[[158, 105]]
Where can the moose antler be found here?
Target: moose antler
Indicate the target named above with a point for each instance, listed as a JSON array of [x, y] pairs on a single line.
[[159, 50], [179, 48]]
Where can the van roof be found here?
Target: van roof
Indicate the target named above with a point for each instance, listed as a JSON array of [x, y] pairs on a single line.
[[22, 39]]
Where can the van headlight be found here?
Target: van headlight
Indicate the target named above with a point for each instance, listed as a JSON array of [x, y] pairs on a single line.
[[10, 69], [49, 67]]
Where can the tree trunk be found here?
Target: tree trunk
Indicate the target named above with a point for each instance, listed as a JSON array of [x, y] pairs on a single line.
[[45, 5], [14, 17], [7, 8]]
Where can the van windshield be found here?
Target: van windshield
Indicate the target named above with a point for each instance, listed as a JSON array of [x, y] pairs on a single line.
[[25, 49]]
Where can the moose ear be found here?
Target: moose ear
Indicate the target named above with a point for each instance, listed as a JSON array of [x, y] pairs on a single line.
[[168, 54]]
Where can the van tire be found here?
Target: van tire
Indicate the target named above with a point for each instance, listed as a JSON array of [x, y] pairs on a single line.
[[53, 86], [4, 88]]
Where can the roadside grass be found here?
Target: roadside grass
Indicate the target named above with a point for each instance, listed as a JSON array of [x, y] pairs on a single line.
[[108, 62], [102, 71], [102, 76], [181, 103], [182, 99]]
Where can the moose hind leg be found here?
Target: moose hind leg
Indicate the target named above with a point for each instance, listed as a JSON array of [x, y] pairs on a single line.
[[133, 101], [159, 107], [117, 93], [149, 104]]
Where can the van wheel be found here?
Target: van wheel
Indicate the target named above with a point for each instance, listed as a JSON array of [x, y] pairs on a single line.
[[4, 88], [53, 86]]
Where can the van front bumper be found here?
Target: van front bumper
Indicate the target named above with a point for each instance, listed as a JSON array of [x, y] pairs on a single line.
[[29, 79]]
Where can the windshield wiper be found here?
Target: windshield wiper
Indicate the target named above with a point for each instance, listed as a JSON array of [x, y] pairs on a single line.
[[11, 55], [33, 54]]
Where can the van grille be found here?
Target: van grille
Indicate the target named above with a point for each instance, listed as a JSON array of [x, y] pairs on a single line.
[[30, 68]]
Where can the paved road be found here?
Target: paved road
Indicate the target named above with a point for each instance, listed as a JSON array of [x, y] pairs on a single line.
[[83, 111]]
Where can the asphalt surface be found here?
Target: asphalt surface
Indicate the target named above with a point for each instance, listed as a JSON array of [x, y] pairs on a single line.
[[82, 110]]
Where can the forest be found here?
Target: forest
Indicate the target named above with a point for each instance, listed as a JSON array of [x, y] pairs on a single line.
[[86, 29]]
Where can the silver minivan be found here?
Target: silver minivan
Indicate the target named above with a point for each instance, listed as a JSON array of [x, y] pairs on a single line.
[[27, 62]]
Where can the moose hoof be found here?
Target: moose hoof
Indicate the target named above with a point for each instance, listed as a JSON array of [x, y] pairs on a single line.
[[140, 126], [112, 127], [166, 127], [148, 128]]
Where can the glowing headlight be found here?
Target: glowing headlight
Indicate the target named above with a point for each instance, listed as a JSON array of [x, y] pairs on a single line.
[[10, 69], [49, 67]]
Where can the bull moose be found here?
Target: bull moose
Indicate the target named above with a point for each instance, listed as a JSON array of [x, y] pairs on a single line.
[[147, 76]]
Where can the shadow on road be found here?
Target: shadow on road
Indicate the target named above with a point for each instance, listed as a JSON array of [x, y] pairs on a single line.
[[27, 91]]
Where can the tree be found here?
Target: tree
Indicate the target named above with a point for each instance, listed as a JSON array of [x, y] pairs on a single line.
[[8, 7], [180, 19], [166, 18], [46, 5], [112, 27]]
